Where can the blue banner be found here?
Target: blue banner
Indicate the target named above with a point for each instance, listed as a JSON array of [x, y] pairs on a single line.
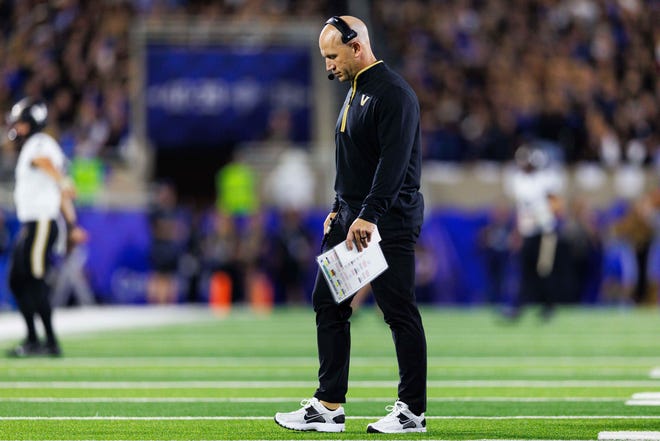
[[217, 95]]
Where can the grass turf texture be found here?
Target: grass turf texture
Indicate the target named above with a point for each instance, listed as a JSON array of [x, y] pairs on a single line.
[[224, 378]]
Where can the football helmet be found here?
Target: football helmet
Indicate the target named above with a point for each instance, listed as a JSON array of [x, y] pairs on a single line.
[[33, 112]]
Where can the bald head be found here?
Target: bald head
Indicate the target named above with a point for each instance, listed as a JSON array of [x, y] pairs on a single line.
[[345, 60]]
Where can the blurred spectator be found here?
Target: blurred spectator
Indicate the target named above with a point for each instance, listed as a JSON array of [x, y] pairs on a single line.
[[190, 263], [71, 285], [236, 189], [631, 265], [5, 246], [583, 235], [496, 240], [291, 183], [635, 228], [253, 255], [493, 74], [288, 259], [620, 271], [654, 253], [426, 271], [168, 234], [5, 235], [220, 254]]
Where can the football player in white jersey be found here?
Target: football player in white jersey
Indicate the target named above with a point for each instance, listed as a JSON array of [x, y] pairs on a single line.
[[537, 189], [42, 191]]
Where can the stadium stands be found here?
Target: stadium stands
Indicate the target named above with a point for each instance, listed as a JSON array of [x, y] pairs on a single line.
[[579, 77]]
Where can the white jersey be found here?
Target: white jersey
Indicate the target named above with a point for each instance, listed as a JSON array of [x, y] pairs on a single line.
[[531, 191], [36, 194]]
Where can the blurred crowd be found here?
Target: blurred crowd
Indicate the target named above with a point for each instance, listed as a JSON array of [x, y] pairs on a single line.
[[611, 256], [76, 55], [583, 75], [263, 245], [238, 251]]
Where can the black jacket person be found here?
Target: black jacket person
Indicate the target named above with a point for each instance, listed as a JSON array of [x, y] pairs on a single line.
[[378, 162], [378, 150]]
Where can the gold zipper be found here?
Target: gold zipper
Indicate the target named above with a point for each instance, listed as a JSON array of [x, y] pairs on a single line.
[[344, 117]]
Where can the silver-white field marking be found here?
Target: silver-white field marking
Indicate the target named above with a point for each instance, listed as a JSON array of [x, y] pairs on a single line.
[[644, 399], [309, 384], [239, 418], [350, 439], [295, 399], [643, 403], [629, 436], [156, 361]]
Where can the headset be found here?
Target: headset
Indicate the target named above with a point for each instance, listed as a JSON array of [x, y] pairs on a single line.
[[347, 33]]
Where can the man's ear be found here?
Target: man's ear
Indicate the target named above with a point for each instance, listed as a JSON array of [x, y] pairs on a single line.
[[357, 48]]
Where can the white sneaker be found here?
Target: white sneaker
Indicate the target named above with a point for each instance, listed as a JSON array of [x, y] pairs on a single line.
[[399, 420], [313, 416]]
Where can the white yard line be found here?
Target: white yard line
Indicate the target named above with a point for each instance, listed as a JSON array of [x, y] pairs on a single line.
[[646, 396], [643, 403], [629, 436], [644, 399], [307, 384], [295, 399], [369, 439], [240, 418], [178, 361]]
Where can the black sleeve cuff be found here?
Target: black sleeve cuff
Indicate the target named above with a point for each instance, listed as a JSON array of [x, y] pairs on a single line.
[[369, 215]]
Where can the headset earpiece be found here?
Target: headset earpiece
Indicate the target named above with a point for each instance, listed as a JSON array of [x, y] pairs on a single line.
[[347, 33]]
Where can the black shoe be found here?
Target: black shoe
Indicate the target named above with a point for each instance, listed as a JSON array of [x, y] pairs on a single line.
[[51, 350], [546, 313], [26, 349], [511, 314]]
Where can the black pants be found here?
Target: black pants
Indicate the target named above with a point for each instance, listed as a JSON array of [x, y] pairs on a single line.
[[545, 290], [30, 264], [394, 291]]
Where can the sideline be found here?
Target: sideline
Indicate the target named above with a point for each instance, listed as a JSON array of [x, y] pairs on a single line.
[[76, 320], [292, 399], [276, 384], [363, 417]]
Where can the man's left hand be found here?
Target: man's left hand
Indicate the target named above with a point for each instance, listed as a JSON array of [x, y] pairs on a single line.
[[360, 232]]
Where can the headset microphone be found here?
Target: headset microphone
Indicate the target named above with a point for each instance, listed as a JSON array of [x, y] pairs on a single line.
[[331, 76]]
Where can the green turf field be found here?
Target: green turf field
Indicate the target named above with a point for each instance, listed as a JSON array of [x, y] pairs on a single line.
[[224, 378]]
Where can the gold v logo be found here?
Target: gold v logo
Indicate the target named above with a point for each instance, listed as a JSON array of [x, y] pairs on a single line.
[[364, 100]]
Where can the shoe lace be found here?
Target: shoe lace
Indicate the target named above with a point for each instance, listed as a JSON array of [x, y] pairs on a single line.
[[395, 409], [305, 402]]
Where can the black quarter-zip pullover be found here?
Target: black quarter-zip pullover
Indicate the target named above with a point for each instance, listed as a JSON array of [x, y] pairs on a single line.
[[378, 150]]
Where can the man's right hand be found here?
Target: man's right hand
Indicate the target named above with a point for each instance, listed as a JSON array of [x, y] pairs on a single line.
[[328, 221]]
